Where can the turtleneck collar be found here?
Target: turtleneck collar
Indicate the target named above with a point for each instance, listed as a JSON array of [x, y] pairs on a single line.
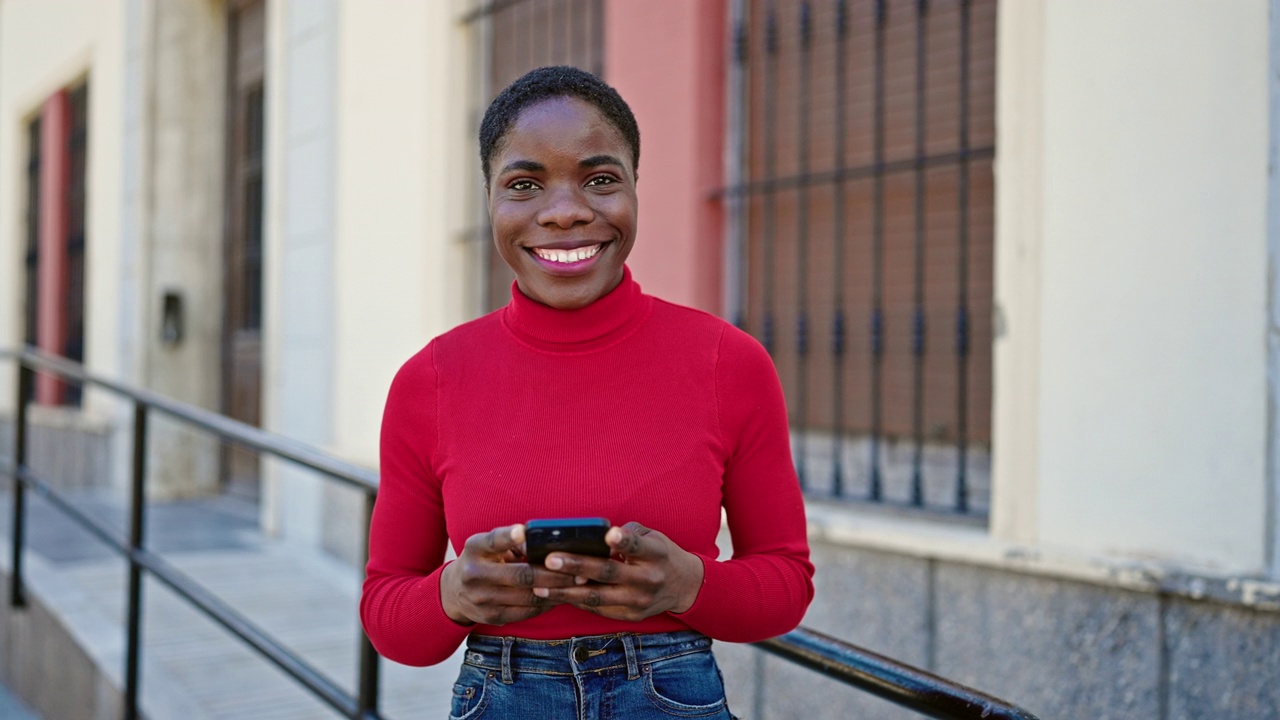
[[602, 323]]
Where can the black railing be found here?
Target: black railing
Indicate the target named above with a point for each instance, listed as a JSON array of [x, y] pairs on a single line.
[[902, 684], [362, 706], [896, 682]]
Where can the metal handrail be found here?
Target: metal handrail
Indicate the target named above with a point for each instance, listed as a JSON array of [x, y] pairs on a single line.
[[245, 435], [896, 682], [362, 706]]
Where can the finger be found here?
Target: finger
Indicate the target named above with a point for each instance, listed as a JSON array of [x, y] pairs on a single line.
[[482, 572], [635, 540], [497, 541], [496, 598], [605, 570], [591, 597]]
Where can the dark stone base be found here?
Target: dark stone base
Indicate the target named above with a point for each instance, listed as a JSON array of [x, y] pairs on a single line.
[[1059, 648]]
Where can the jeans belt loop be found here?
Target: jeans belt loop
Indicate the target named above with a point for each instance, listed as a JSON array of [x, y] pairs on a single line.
[[507, 677], [628, 647]]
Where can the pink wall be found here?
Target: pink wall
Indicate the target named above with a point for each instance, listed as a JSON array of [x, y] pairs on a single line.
[[666, 58]]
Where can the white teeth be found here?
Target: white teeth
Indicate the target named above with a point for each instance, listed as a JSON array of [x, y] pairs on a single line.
[[567, 256]]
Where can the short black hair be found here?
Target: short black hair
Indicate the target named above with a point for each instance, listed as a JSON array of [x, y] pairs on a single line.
[[546, 83]]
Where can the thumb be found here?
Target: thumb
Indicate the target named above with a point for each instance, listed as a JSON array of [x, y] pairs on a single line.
[[633, 540]]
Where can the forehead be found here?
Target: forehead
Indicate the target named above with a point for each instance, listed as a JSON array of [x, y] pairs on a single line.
[[565, 125]]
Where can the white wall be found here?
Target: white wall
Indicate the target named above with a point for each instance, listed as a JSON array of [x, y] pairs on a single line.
[[364, 205], [298, 327], [44, 46], [1132, 380], [405, 160]]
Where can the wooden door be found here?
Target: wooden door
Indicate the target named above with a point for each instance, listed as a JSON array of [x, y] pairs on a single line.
[[242, 313]]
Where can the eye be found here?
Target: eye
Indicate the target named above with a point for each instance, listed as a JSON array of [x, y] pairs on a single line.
[[601, 181], [523, 186]]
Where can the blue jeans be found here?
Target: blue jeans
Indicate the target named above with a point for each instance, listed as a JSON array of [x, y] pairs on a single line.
[[600, 677]]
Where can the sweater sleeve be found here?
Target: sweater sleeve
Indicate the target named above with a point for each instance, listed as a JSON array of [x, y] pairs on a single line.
[[765, 588], [400, 607]]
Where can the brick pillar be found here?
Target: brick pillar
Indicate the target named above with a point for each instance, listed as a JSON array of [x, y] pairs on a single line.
[[51, 303]]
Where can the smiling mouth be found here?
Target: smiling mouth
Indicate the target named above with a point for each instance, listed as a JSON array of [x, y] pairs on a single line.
[[567, 257]]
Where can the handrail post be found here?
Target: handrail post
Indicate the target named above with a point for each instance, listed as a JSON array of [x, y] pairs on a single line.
[[137, 523], [17, 598], [367, 702]]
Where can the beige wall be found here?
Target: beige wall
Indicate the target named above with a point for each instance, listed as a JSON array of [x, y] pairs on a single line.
[[1131, 283], [180, 237], [44, 46], [404, 165], [366, 188]]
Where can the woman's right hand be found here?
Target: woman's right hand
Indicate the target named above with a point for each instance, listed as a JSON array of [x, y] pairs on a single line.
[[490, 583]]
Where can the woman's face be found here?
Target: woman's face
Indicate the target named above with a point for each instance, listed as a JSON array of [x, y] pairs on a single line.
[[562, 202]]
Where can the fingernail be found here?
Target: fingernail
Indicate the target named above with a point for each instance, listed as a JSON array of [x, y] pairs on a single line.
[[614, 535], [579, 580], [555, 563], [541, 592]]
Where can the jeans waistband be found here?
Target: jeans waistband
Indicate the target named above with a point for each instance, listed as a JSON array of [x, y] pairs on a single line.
[[591, 653]]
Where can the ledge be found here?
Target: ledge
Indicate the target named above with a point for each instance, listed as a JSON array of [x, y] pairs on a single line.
[[842, 525]]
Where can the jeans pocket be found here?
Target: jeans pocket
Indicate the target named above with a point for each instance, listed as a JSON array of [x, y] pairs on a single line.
[[470, 693], [685, 685]]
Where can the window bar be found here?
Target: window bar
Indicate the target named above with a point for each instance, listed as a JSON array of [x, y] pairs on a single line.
[[855, 172], [736, 293], [597, 36], [802, 249], [877, 260], [531, 41], [571, 46], [558, 30], [770, 171], [962, 312], [837, 327], [917, 319], [31, 333]]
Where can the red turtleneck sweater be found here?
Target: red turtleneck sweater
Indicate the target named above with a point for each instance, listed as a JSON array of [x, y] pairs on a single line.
[[632, 409]]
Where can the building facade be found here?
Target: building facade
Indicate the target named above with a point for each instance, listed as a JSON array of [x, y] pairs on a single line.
[[1014, 261]]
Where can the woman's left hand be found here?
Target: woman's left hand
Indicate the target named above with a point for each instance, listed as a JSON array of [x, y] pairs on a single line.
[[654, 576]]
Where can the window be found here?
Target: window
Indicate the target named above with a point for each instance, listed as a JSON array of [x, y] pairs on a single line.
[[860, 214]]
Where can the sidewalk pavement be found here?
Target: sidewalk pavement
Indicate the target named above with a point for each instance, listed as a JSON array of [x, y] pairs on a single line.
[[192, 668]]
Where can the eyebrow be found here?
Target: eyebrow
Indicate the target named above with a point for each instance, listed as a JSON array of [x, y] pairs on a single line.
[[598, 160], [526, 165], [590, 162]]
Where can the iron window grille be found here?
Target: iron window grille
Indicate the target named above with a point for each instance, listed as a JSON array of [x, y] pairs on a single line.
[[859, 208]]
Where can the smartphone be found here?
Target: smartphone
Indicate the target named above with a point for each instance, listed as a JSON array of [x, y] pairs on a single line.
[[580, 536]]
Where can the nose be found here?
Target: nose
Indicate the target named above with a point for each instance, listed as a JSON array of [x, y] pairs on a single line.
[[565, 207]]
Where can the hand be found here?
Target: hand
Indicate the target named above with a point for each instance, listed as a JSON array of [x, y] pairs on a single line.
[[654, 576], [490, 583]]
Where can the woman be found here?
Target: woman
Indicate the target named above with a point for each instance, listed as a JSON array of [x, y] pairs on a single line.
[[582, 397]]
